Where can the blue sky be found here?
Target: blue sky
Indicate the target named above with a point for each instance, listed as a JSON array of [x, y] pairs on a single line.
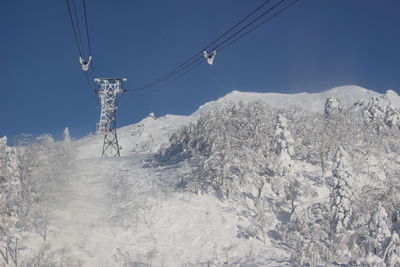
[[314, 46]]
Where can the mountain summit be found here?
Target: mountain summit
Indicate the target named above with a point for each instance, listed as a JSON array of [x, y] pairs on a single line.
[[308, 101]]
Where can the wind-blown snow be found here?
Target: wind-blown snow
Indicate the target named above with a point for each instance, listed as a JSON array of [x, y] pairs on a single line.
[[124, 212]]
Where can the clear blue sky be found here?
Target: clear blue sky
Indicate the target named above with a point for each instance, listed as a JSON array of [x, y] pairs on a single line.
[[315, 45]]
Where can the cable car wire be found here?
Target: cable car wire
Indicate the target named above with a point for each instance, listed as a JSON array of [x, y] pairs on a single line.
[[88, 38], [171, 74], [189, 62], [250, 23], [234, 26], [192, 62], [236, 33], [87, 27], [259, 25], [216, 40], [72, 11], [74, 28], [157, 89]]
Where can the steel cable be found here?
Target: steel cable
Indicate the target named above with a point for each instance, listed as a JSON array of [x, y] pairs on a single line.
[[189, 61]]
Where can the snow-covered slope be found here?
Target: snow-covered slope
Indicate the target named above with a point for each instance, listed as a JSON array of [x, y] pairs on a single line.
[[145, 136], [308, 101], [120, 212], [125, 212], [150, 133]]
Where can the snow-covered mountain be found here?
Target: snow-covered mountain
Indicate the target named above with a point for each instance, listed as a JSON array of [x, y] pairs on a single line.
[[307, 101], [151, 133], [271, 209]]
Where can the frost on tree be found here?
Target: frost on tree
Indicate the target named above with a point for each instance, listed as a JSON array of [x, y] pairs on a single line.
[[333, 108], [374, 112], [332, 133], [370, 260], [3, 142], [283, 146], [392, 254], [284, 142], [392, 118], [10, 199], [379, 227], [307, 233], [226, 149], [340, 197], [3, 147], [66, 135], [378, 114]]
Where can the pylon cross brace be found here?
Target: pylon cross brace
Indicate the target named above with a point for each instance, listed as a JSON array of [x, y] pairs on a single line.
[[108, 90]]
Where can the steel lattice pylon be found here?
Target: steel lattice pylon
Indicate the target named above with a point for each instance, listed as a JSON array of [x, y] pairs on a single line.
[[108, 90]]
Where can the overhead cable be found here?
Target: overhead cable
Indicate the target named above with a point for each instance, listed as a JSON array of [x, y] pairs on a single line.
[[87, 27], [198, 55], [74, 28], [73, 15], [258, 25], [249, 24], [159, 88]]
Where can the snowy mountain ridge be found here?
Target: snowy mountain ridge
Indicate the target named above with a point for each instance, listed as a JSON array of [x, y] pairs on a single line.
[[151, 133], [308, 101]]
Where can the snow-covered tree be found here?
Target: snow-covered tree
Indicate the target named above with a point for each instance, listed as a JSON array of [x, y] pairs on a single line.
[[341, 195], [374, 111], [380, 229], [226, 148], [392, 118], [65, 150], [283, 165], [370, 260], [260, 220], [333, 131], [310, 251], [239, 148], [3, 147], [293, 190], [283, 146], [307, 232], [67, 137], [333, 108], [392, 253], [10, 204]]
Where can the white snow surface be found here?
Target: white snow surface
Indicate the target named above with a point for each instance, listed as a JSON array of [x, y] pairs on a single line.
[[145, 136], [309, 101], [156, 223]]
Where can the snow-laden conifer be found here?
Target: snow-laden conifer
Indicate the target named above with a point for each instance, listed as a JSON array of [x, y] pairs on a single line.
[[332, 132], [379, 227], [333, 108], [66, 136], [10, 202], [341, 196], [283, 166], [392, 118], [370, 260], [374, 111], [392, 253]]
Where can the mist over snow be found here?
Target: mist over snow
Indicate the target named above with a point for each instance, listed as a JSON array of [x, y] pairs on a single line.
[[251, 179]]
